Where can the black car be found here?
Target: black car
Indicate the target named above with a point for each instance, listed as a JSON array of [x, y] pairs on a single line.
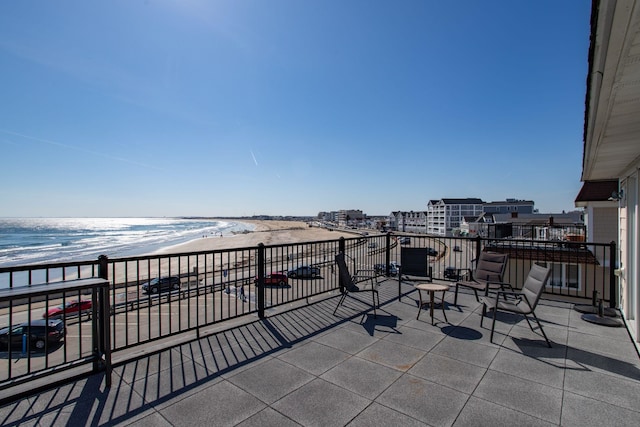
[[38, 333], [162, 284], [451, 273], [432, 252], [304, 271]]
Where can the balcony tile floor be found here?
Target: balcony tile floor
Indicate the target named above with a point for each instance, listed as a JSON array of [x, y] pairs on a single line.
[[308, 367]]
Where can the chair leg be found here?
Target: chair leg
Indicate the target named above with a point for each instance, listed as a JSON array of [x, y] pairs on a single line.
[[493, 324], [373, 297], [475, 291], [541, 330], [340, 302], [455, 299], [484, 313]]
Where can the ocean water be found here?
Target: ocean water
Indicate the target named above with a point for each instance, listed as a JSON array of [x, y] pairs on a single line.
[[47, 240]]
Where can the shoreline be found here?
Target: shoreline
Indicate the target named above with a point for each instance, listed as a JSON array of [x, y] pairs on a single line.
[[267, 232]]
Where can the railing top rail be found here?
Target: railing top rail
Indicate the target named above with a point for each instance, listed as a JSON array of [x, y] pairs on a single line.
[[50, 288]]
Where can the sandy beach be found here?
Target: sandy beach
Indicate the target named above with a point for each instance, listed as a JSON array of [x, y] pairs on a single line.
[[266, 231]]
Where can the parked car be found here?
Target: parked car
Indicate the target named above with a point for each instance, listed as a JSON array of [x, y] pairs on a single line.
[[457, 249], [274, 279], [382, 269], [451, 273], [162, 284], [304, 271], [69, 309], [39, 333], [404, 240], [373, 245], [432, 252]]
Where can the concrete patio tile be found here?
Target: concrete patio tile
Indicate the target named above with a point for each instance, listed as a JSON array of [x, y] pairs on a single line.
[[360, 376], [466, 351], [221, 404], [267, 418], [479, 412], [577, 324], [423, 400], [578, 359], [604, 345], [320, 403], [535, 399], [416, 337], [151, 364], [582, 411], [314, 357], [88, 401], [393, 355], [346, 340], [529, 368], [152, 420], [271, 380], [452, 373], [181, 380], [378, 415], [20, 412], [603, 387], [230, 360]]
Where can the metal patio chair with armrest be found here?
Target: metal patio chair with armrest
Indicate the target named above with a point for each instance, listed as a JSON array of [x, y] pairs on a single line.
[[488, 274], [522, 302], [365, 280]]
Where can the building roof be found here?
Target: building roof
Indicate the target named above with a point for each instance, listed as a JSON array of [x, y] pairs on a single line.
[[597, 191], [569, 255], [468, 201]]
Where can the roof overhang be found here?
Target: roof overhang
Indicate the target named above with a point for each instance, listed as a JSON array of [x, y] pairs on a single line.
[[612, 125]]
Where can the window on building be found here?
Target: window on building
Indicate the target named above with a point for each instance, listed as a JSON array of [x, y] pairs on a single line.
[[565, 276]]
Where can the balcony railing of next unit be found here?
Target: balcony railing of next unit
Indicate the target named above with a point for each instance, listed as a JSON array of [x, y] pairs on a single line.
[[216, 286]]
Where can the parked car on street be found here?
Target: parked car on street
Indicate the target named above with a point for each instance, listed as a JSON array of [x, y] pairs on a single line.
[[382, 269], [69, 309], [373, 245], [457, 249], [162, 284], [404, 240], [451, 273], [432, 252], [278, 278], [304, 271], [38, 332]]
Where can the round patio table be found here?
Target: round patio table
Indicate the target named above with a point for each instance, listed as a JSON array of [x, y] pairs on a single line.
[[432, 288]]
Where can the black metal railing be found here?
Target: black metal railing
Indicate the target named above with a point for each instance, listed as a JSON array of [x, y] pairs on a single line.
[[158, 296]]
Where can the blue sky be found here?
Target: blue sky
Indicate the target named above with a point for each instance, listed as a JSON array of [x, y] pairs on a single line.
[[288, 107]]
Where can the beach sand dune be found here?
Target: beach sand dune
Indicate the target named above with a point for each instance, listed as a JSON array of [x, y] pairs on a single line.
[[266, 232]]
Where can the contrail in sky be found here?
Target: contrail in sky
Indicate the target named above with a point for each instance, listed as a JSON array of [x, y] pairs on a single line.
[[84, 150], [254, 157]]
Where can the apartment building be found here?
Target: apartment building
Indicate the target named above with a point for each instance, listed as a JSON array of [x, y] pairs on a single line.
[[445, 216]]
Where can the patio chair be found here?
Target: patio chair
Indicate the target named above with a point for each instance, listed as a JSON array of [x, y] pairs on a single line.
[[523, 302], [414, 265], [488, 274], [363, 281]]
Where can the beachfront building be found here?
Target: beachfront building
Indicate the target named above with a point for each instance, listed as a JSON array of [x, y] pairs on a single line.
[[413, 222], [508, 206], [444, 216], [612, 136], [350, 217]]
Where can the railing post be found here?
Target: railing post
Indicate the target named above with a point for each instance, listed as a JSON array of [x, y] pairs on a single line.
[[341, 248], [478, 248], [388, 255], [613, 285], [100, 321], [260, 289]]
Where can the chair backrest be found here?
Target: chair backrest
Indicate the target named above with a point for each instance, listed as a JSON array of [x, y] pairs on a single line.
[[491, 266], [413, 261], [346, 281], [535, 283]]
